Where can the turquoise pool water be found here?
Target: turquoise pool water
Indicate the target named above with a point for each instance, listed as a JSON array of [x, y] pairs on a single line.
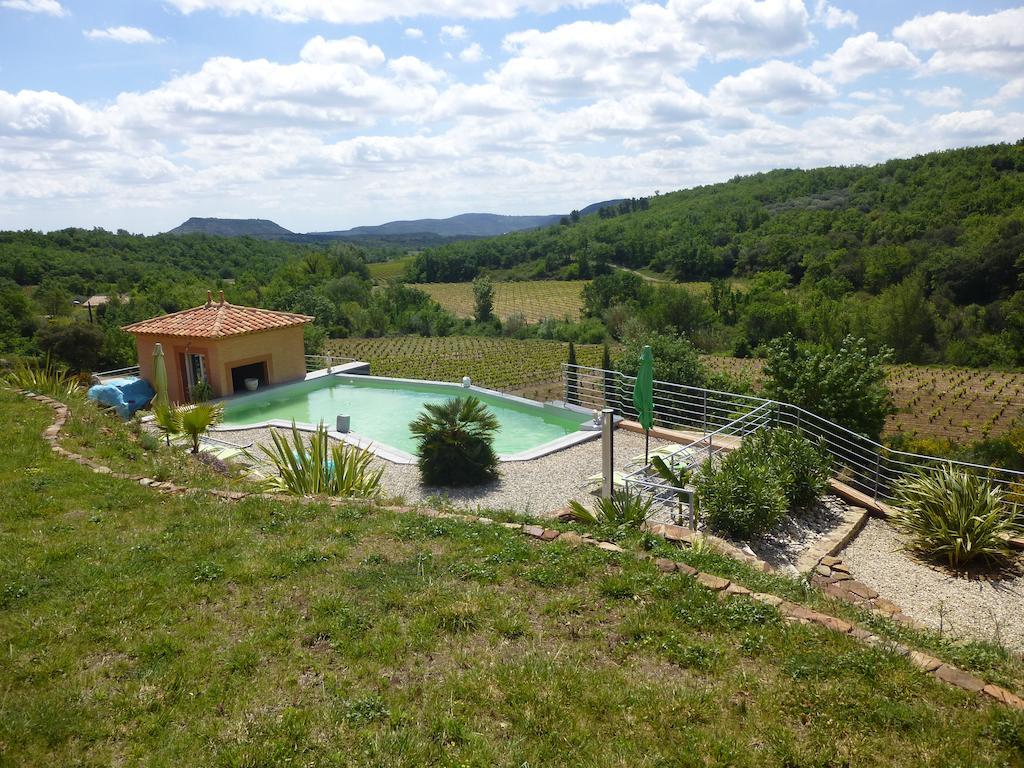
[[381, 410]]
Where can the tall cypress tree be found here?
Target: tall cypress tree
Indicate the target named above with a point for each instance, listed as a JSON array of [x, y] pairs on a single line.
[[609, 378], [572, 387]]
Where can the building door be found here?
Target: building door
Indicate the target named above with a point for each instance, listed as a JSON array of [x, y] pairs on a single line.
[[195, 371]]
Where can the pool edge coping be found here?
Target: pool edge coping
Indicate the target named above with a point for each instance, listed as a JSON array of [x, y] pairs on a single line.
[[586, 432]]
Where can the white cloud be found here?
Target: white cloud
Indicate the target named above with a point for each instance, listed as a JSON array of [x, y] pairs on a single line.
[[945, 97], [330, 87], [864, 55], [453, 32], [351, 50], [366, 11], [777, 85], [130, 35], [415, 70], [472, 53], [587, 57], [745, 28], [1011, 90], [49, 7], [963, 42], [413, 33], [833, 17], [982, 125]]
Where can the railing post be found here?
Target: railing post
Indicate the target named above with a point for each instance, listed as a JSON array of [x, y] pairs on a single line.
[[607, 453], [878, 466], [704, 418]]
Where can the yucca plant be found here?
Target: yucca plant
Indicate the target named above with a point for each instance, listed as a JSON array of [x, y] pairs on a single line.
[[196, 420], [955, 516], [319, 468], [621, 510], [455, 442], [44, 379]]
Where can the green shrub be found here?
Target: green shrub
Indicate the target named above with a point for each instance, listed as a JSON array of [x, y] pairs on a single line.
[[320, 468], [737, 496], [775, 471], [955, 517], [621, 510], [455, 442], [801, 466]]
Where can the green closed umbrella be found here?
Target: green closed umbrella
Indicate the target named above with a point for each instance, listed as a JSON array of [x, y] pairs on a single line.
[[160, 376], [643, 395]]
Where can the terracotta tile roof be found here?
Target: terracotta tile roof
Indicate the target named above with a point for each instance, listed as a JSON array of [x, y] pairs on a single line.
[[215, 320]]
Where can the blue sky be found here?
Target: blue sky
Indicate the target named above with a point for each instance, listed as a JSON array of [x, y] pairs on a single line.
[[325, 114]]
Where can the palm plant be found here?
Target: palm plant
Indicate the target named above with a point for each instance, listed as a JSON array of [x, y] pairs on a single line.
[[677, 477], [167, 422], [955, 516], [621, 510], [320, 468], [196, 420], [456, 442]]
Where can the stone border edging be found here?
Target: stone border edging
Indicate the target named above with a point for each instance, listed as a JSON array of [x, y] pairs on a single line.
[[791, 612]]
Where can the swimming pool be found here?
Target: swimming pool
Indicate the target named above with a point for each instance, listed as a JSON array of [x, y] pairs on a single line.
[[381, 410]]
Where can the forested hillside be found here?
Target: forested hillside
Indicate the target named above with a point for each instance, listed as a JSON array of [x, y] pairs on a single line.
[[923, 255]]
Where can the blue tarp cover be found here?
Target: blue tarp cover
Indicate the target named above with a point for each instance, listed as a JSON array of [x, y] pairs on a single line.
[[125, 395]]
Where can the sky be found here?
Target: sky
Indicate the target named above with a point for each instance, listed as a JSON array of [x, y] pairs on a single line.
[[328, 114]]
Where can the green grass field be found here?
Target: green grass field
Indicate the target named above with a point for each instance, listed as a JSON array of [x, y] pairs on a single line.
[[140, 629]]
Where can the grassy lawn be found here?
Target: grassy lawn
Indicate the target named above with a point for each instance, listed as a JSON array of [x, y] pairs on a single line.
[[146, 630]]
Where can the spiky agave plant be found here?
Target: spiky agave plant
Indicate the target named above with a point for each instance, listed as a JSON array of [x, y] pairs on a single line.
[[621, 510], [955, 516], [318, 468], [196, 420], [455, 442], [44, 379]]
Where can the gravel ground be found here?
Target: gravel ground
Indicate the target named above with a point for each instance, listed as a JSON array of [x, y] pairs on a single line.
[[978, 608], [782, 546], [538, 487], [542, 486]]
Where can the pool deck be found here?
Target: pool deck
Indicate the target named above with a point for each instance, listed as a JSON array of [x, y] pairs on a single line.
[[541, 486]]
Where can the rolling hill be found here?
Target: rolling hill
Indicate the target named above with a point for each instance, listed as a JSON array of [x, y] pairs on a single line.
[[231, 228]]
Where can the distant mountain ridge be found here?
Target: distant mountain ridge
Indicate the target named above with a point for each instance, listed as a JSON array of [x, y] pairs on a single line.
[[464, 225]]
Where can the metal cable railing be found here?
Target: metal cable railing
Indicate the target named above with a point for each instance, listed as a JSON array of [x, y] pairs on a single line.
[[131, 370], [857, 461], [325, 362]]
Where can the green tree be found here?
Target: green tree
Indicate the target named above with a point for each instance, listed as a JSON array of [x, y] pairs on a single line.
[[483, 299], [572, 387], [77, 344], [905, 320], [846, 385]]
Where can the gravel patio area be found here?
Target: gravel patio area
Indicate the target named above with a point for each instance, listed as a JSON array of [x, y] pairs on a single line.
[[978, 608], [537, 487]]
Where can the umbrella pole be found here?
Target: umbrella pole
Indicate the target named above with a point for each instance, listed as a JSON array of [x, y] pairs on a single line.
[[647, 443]]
